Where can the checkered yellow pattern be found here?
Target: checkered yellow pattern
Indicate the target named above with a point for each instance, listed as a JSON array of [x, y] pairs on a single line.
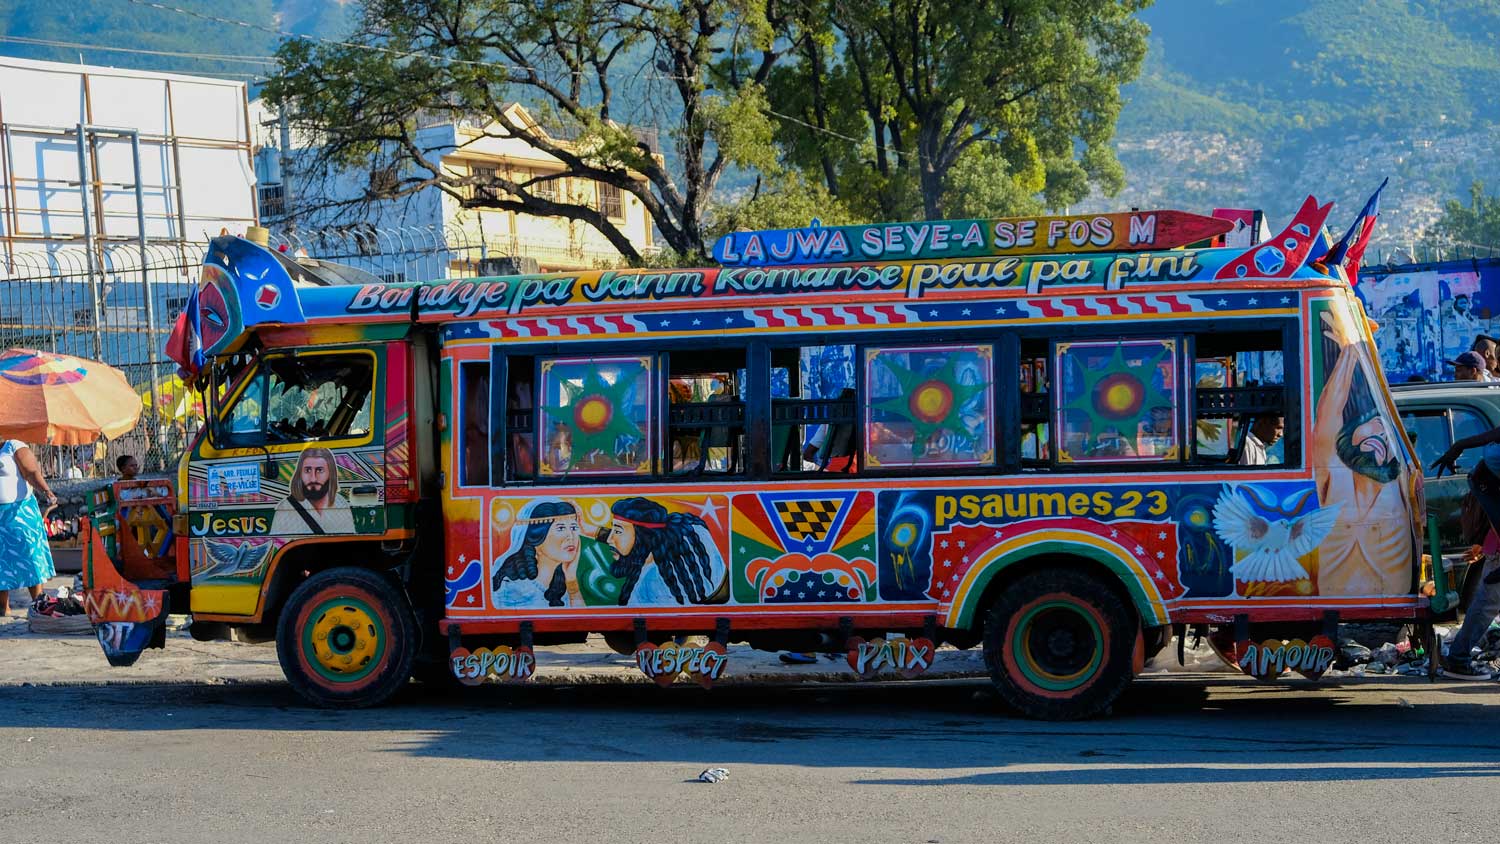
[[807, 520]]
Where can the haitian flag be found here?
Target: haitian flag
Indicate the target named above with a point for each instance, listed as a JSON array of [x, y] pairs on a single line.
[[1351, 247], [185, 343]]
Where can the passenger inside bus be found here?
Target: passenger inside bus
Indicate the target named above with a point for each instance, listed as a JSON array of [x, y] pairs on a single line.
[[1264, 432], [831, 447]]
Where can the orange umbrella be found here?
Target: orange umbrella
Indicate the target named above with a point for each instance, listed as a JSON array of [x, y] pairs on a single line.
[[63, 400]]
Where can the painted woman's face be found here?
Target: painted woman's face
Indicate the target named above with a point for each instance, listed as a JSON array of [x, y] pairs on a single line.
[[561, 544]]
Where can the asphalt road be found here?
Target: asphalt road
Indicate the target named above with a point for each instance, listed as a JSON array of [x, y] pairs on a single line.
[[1178, 762]]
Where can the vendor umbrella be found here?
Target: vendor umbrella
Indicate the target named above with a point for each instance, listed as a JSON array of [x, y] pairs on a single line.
[[63, 400]]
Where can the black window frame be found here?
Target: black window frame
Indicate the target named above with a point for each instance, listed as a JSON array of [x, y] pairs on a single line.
[[762, 413]]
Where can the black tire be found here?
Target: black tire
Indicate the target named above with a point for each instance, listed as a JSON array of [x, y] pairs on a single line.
[[346, 638], [1059, 645]]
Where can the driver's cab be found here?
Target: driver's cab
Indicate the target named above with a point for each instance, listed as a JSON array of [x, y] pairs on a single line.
[[295, 450]]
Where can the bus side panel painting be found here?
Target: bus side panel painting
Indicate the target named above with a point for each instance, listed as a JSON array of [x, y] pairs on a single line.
[[1362, 462]]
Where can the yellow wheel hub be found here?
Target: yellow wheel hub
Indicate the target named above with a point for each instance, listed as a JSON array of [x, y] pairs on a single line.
[[344, 639]]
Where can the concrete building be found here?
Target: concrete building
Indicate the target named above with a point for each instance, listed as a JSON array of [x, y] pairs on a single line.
[[113, 181], [478, 241]]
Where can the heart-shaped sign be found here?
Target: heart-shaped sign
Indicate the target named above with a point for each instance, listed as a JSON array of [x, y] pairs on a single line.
[[501, 665], [663, 663], [906, 657], [1270, 659]]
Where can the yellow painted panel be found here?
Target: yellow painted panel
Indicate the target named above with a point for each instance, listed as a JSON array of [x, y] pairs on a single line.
[[226, 600]]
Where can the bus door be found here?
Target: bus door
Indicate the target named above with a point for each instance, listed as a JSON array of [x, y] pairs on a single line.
[[296, 452]]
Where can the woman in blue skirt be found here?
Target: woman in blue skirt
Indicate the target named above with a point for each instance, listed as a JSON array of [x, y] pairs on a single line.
[[25, 559]]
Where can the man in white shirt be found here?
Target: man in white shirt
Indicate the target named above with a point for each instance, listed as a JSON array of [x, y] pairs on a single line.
[[1264, 433]]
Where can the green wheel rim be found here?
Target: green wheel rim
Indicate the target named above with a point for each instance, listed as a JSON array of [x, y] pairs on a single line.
[[1021, 649], [344, 639]]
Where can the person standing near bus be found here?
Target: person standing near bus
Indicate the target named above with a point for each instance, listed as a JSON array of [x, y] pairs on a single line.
[[25, 558], [1484, 607], [1471, 366]]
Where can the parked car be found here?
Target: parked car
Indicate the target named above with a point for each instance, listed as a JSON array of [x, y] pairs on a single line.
[[1436, 414]]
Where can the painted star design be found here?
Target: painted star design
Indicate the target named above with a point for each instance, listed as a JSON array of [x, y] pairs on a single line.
[[801, 594], [932, 313], [1252, 300], [865, 547], [1118, 394], [1139, 549], [150, 602], [962, 544], [1114, 534], [1162, 535], [709, 510], [822, 593], [1160, 555], [1223, 302], [1286, 300], [943, 544], [697, 322], [662, 323], [947, 564], [728, 320], [954, 578], [471, 599], [611, 403], [965, 312], [450, 571], [930, 402]]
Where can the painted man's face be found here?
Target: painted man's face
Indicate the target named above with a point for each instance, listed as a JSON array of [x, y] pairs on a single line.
[[314, 477], [622, 538], [1366, 448]]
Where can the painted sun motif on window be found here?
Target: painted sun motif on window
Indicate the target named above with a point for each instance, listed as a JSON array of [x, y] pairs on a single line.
[[929, 406], [597, 414], [1116, 401]]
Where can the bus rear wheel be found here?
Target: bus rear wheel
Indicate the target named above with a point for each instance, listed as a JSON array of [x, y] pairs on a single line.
[[1059, 645], [346, 638]]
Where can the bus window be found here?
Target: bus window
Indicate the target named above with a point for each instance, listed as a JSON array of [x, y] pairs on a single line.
[[1239, 379], [1036, 443], [705, 413], [594, 416], [306, 398], [474, 416], [813, 413], [1117, 401], [520, 419], [929, 406]]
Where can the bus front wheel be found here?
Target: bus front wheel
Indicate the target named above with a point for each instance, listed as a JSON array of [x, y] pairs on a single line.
[[1059, 645], [346, 637]]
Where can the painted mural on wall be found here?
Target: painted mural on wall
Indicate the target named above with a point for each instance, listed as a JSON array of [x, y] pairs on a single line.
[[1428, 316]]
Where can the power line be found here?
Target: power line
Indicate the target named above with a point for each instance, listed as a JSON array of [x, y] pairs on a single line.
[[838, 135], [46, 42]]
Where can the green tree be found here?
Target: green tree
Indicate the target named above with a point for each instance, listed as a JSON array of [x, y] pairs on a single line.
[[1475, 224], [579, 67], [944, 94]]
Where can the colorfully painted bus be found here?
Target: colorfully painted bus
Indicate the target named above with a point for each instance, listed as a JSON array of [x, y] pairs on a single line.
[[1055, 438]]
